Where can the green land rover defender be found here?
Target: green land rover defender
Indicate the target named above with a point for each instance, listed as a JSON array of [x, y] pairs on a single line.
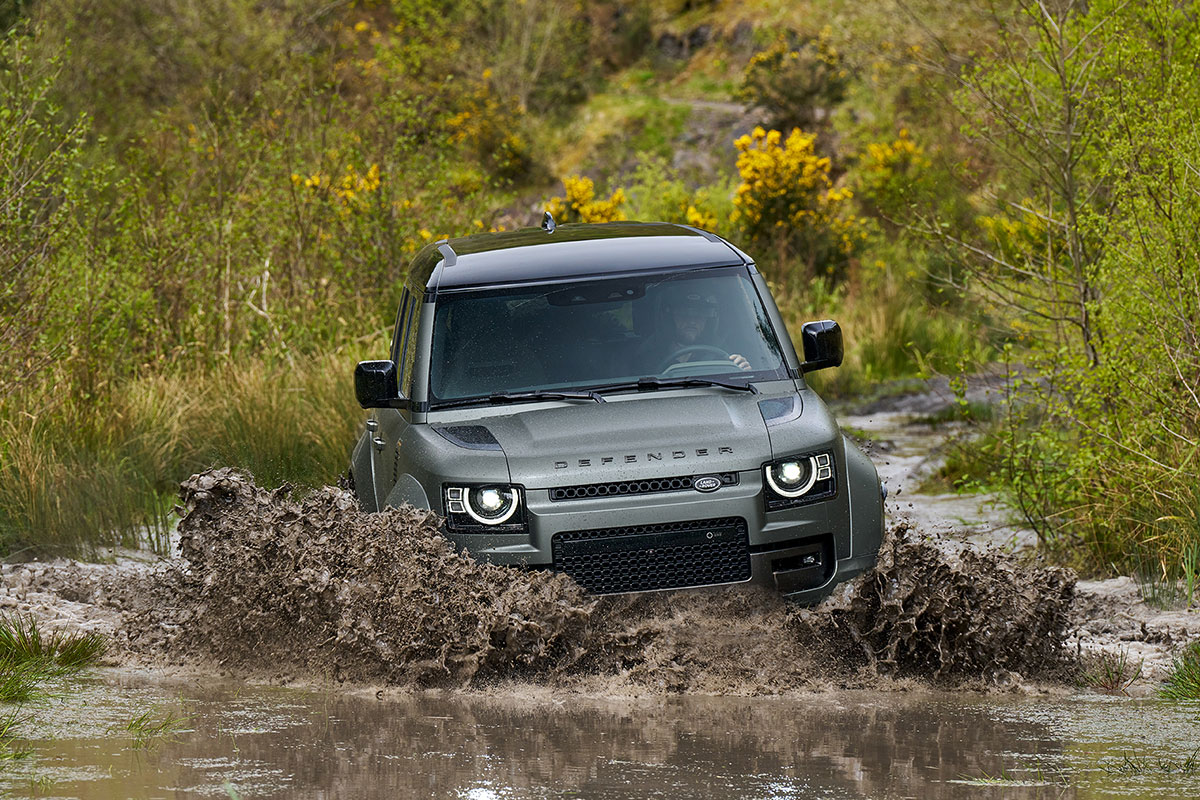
[[620, 402]]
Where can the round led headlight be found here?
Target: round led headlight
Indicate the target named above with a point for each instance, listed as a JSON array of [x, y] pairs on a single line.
[[491, 505], [792, 478]]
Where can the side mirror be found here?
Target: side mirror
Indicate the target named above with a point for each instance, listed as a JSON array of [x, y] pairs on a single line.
[[822, 345], [375, 384]]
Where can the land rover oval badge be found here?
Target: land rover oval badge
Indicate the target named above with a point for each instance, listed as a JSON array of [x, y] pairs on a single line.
[[706, 483]]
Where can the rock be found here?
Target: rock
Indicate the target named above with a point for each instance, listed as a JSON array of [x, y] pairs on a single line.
[[672, 47]]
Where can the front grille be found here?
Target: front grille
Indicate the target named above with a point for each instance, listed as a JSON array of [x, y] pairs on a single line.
[[643, 558], [647, 486]]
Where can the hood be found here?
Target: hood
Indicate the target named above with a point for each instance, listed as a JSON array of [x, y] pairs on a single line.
[[629, 438]]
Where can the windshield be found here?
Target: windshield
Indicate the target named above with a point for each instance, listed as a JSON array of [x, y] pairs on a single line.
[[705, 323]]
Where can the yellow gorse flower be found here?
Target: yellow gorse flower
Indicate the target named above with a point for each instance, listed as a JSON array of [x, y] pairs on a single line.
[[580, 204], [351, 191], [786, 198]]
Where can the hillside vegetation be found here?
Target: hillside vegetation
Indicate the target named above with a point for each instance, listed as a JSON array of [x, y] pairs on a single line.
[[208, 207]]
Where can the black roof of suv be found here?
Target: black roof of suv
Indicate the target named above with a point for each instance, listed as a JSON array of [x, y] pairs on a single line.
[[570, 251]]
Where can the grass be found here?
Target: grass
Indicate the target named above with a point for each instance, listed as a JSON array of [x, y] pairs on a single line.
[[889, 332], [23, 641], [9, 753], [1004, 778], [1131, 765], [970, 463], [613, 126], [75, 479], [148, 730], [1183, 681], [1170, 585], [29, 656], [1110, 673]]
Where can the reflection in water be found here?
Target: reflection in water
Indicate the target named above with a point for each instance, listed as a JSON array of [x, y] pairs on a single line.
[[289, 743]]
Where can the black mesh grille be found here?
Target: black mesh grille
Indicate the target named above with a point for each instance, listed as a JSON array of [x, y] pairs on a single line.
[[643, 558], [646, 486]]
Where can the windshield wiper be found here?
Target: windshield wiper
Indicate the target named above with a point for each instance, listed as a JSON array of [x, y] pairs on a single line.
[[519, 397], [653, 384]]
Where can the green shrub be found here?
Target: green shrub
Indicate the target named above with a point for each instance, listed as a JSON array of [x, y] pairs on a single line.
[[1183, 681], [795, 82]]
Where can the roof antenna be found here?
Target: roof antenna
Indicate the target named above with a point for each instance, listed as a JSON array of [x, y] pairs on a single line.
[[548, 224]]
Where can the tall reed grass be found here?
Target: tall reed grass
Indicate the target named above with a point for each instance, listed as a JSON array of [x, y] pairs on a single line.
[[889, 331], [74, 478]]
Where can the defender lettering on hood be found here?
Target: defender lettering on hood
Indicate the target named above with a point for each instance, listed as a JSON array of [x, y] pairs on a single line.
[[633, 458]]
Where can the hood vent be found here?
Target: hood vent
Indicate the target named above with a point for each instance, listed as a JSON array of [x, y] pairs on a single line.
[[470, 437]]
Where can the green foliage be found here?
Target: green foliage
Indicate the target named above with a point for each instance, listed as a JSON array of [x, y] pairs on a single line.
[[22, 641], [1133, 764], [88, 476], [204, 199], [795, 82], [658, 194], [8, 737], [204, 196], [1110, 673], [149, 729], [40, 214], [1183, 681], [1105, 439], [890, 177], [889, 331]]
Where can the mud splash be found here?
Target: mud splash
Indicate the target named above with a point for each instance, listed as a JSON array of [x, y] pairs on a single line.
[[317, 585], [940, 608], [274, 586]]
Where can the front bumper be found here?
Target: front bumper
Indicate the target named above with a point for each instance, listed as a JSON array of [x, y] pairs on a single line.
[[801, 552]]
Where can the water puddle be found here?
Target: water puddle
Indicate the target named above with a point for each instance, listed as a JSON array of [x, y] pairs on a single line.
[[262, 742]]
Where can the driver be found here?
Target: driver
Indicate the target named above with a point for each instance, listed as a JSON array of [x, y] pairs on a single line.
[[686, 332]]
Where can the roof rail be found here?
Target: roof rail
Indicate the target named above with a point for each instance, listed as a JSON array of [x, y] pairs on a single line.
[[451, 257], [712, 237]]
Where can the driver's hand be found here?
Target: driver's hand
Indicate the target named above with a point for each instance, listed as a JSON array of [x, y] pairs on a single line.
[[740, 361]]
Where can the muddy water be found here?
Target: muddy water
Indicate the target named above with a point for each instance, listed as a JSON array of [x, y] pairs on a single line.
[[269, 742]]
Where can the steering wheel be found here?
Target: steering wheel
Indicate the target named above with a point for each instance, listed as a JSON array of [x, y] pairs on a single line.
[[692, 348]]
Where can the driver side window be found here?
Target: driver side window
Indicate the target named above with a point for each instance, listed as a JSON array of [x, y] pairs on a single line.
[[404, 340]]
